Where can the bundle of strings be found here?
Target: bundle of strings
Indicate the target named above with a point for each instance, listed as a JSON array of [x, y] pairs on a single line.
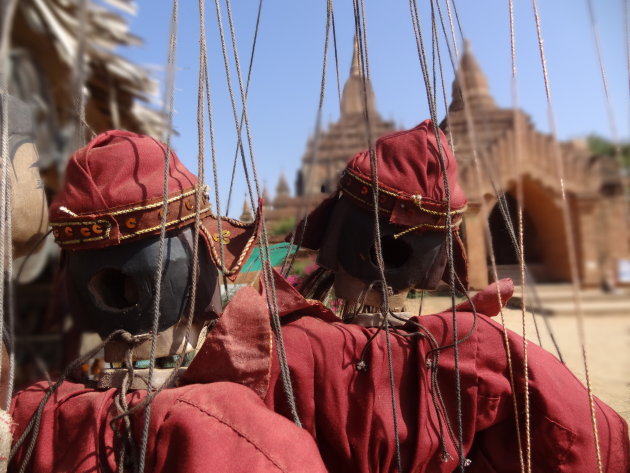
[[302, 216], [267, 271], [361, 34]]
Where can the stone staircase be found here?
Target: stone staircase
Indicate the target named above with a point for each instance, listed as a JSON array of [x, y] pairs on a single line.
[[557, 299]]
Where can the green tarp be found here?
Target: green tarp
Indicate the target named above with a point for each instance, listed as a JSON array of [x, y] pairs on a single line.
[[277, 253]]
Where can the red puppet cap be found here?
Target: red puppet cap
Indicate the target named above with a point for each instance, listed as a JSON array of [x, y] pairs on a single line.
[[113, 192], [411, 190]]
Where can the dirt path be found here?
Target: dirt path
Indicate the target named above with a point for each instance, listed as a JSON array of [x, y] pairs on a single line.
[[607, 348]]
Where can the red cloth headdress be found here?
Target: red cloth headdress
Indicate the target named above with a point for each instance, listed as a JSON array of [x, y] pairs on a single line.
[[113, 192], [411, 191]]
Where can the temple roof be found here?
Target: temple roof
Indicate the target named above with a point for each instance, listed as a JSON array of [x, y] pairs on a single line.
[[327, 154], [246, 216], [352, 100], [283, 187], [475, 81]]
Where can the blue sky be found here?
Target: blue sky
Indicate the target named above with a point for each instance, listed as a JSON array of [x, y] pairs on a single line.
[[285, 84]]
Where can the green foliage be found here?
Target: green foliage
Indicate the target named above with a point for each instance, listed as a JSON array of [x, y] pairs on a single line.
[[301, 264], [601, 146], [283, 226]]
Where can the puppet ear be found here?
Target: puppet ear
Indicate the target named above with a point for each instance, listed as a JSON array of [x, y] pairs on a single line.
[[238, 239], [312, 229]]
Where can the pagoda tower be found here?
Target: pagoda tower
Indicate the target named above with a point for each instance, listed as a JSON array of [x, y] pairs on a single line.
[[592, 184], [247, 215], [282, 198], [326, 156]]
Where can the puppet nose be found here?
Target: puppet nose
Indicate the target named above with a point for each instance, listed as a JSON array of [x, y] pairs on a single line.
[[396, 252], [113, 290]]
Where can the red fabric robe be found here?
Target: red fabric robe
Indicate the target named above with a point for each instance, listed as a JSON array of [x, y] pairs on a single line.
[[219, 427], [349, 412]]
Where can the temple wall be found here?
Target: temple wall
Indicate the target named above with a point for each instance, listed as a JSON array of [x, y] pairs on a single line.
[[475, 243]]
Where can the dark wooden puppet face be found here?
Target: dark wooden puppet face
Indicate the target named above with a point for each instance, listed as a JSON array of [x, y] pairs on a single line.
[[113, 288], [412, 260]]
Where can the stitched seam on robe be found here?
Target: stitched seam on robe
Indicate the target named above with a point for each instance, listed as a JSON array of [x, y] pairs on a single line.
[[239, 432]]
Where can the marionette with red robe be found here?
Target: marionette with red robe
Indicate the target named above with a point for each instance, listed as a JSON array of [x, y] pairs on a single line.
[[107, 220], [341, 370]]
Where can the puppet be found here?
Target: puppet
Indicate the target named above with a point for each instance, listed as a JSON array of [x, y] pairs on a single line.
[[107, 220], [360, 394]]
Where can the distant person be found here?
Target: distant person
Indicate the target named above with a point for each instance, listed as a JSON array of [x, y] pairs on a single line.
[[609, 284]]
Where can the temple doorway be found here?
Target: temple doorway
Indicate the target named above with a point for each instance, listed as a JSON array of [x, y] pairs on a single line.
[[503, 242], [543, 235]]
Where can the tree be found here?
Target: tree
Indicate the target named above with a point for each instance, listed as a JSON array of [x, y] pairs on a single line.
[[601, 146]]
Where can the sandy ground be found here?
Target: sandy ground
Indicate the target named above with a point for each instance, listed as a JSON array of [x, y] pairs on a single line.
[[607, 352], [607, 348]]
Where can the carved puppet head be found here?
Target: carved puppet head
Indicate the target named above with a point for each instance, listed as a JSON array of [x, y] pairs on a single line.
[[412, 210], [107, 220]]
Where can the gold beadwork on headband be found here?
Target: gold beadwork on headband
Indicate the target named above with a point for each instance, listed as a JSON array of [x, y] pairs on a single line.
[[90, 230], [417, 198], [168, 224], [425, 225], [154, 205]]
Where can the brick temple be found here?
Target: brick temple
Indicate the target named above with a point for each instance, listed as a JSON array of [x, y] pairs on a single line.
[[593, 184]]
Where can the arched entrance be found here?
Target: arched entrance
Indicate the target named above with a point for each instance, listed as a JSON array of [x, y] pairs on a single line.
[[502, 241], [543, 235]]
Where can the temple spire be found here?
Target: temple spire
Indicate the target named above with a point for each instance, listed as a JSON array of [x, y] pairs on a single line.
[[352, 101], [282, 189], [475, 81], [246, 216], [355, 67]]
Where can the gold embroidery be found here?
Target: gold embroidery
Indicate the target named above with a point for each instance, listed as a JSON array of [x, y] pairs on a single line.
[[241, 257], [155, 204], [425, 225], [225, 237], [417, 199], [168, 224], [100, 227], [367, 183]]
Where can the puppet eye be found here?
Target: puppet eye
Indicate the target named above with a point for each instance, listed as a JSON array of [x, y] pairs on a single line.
[[113, 290], [396, 252]]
